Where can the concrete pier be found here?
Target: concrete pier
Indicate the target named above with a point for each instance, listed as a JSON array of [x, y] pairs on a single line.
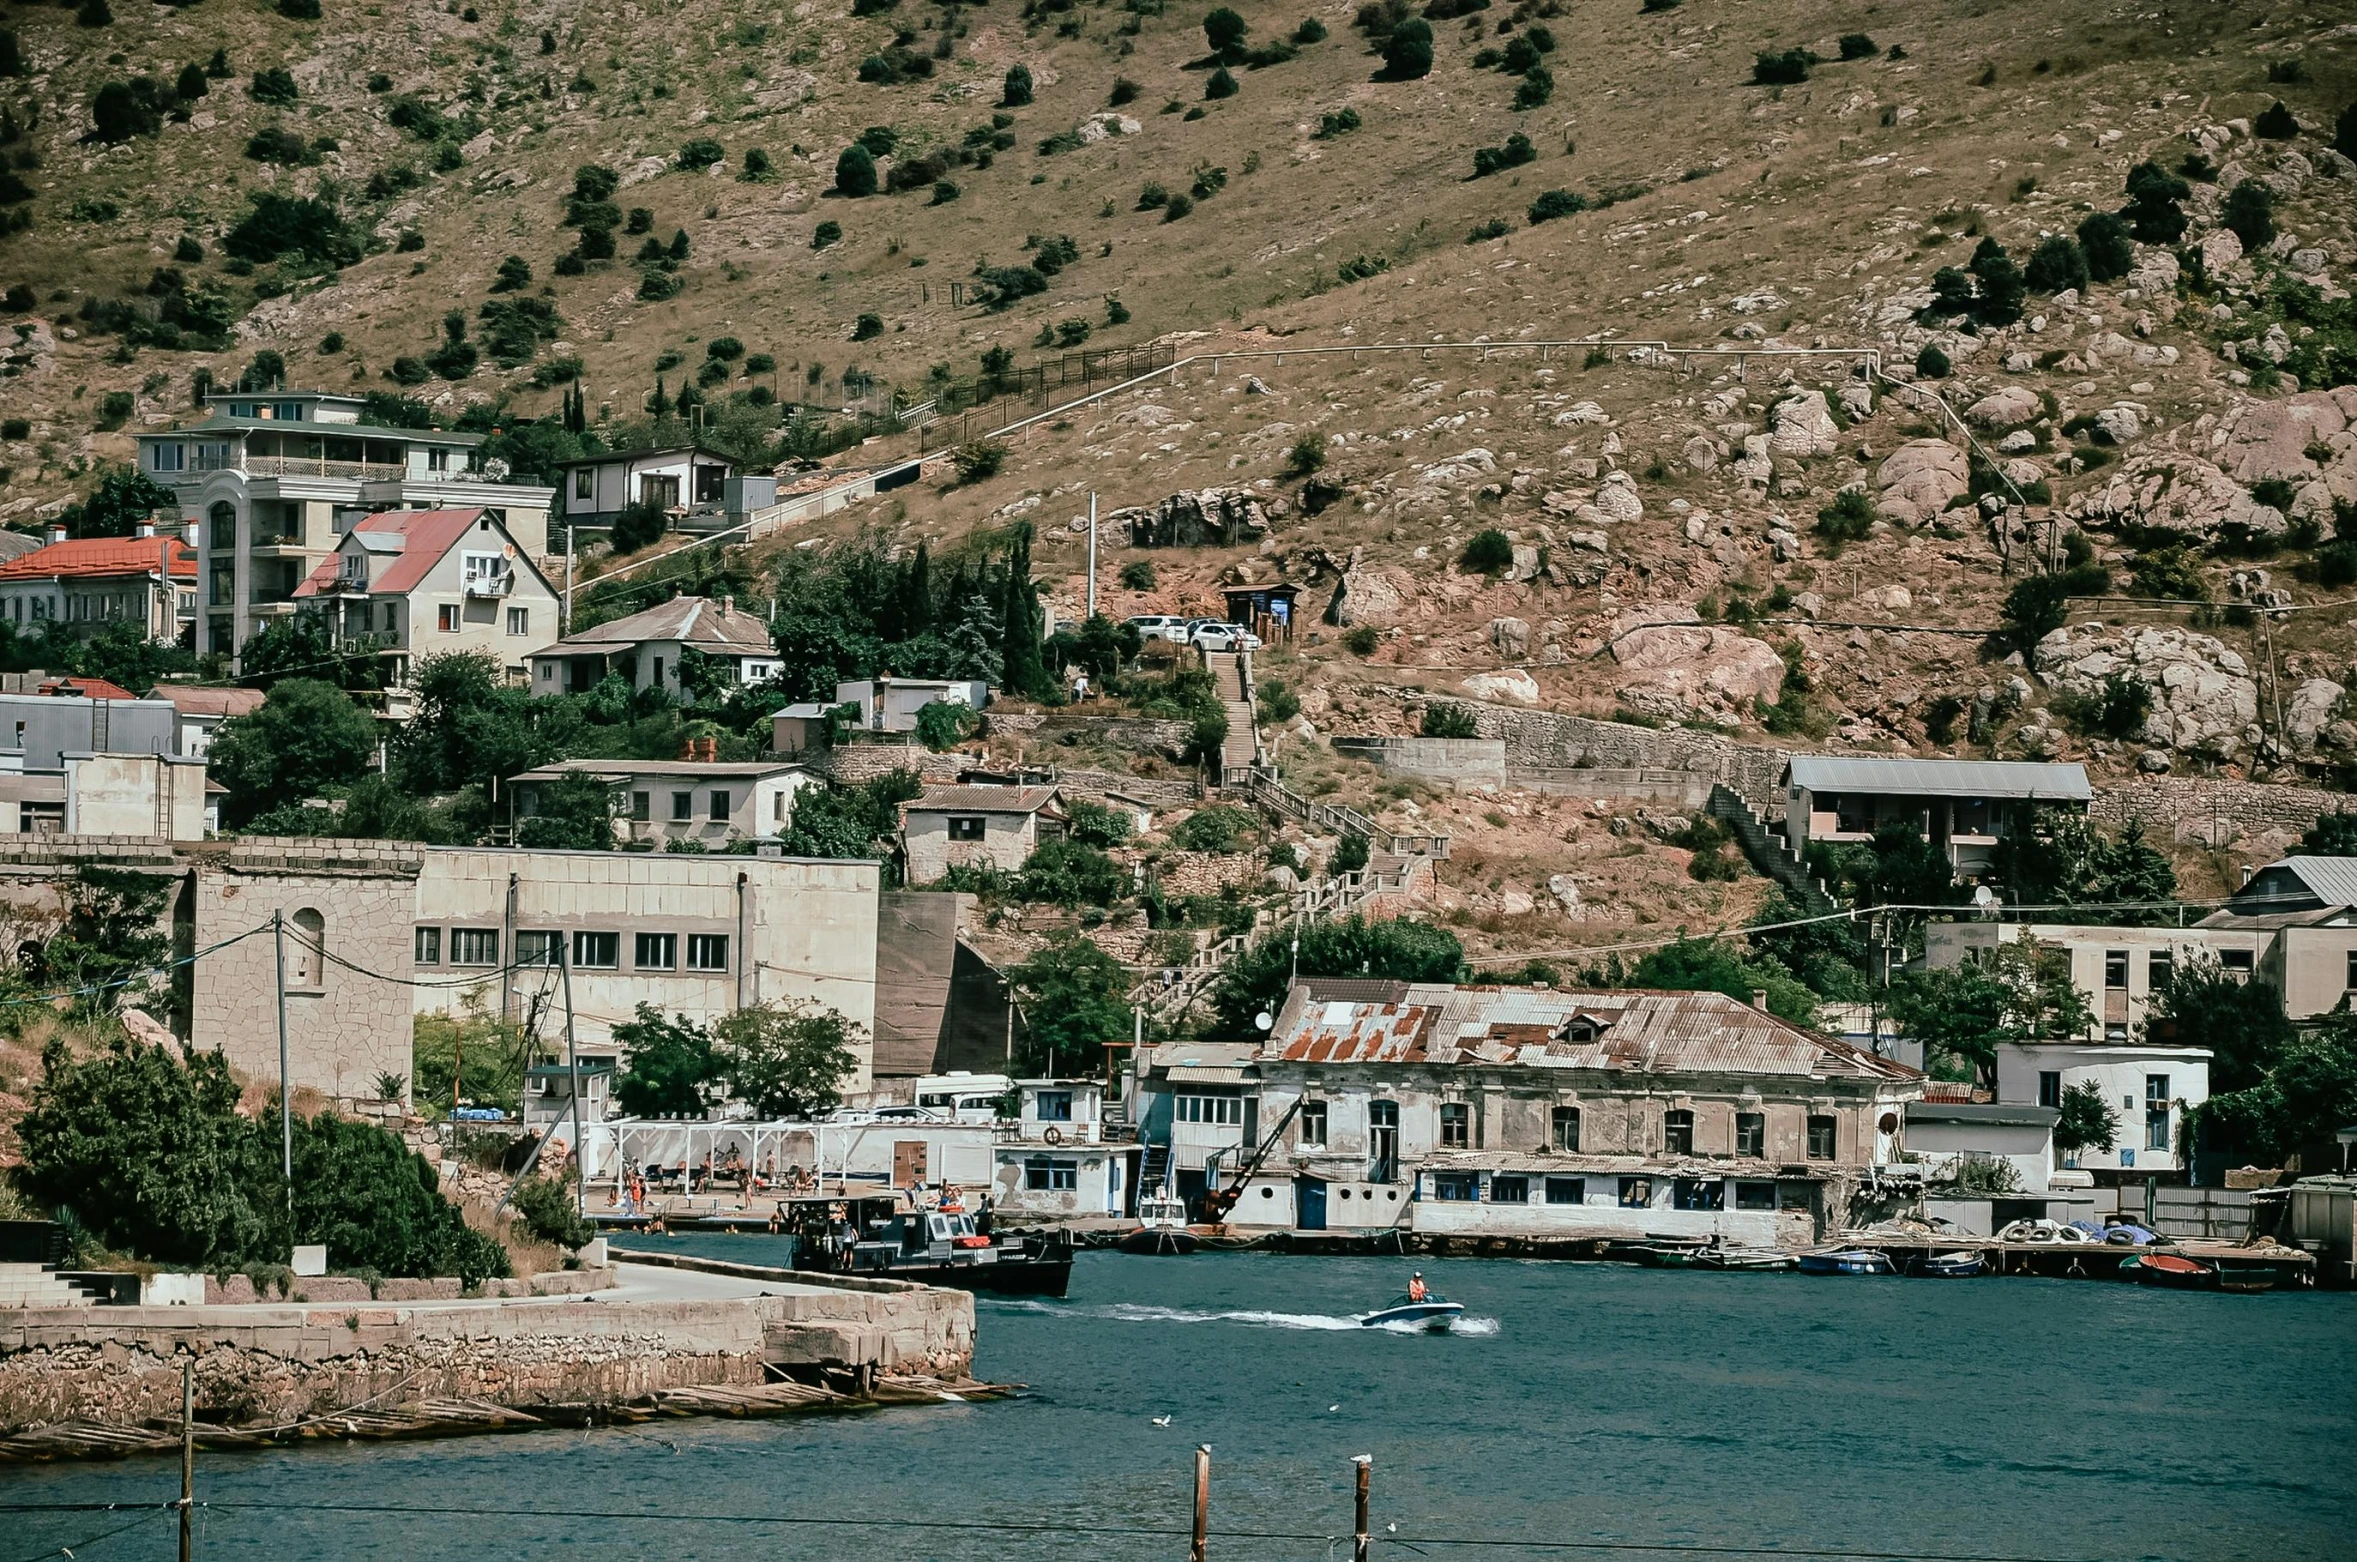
[[657, 1335]]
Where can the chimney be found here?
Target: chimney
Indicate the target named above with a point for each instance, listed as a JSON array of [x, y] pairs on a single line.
[[2247, 871], [708, 750], [687, 749], [144, 529], [192, 532], [727, 605], [57, 531], [1759, 999]]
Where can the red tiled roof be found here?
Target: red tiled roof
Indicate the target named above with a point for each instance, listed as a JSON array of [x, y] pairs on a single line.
[[86, 689], [193, 700], [89, 558], [426, 535]]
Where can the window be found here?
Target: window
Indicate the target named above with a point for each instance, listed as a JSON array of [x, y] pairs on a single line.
[[2351, 982], [2115, 970], [446, 618], [1677, 1133], [1055, 1106], [2235, 960], [437, 460], [1207, 1109], [429, 946], [1456, 1126], [1751, 1134], [2156, 1111], [392, 617], [1798, 1197], [1051, 1174], [639, 802], [1313, 1123], [1636, 1193], [1698, 1193], [2050, 1087], [1509, 1190], [657, 679], [584, 483], [683, 805], [474, 946], [1567, 1190], [2159, 967], [167, 457], [1456, 1187], [965, 827], [707, 951], [655, 951], [1820, 1137], [597, 951], [1567, 1128], [720, 805], [539, 948], [1755, 1195], [519, 620]]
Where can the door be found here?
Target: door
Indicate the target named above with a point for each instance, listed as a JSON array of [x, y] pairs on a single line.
[[1383, 1141], [909, 1163], [661, 489], [1309, 1204]]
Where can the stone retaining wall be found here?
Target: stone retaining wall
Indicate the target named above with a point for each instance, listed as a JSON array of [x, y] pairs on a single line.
[[268, 1365], [1551, 740], [2214, 812], [1136, 734]]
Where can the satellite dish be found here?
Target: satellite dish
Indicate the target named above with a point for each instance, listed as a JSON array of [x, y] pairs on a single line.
[[1983, 898], [1264, 1019]]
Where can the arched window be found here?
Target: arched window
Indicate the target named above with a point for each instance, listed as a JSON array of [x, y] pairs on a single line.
[[306, 950]]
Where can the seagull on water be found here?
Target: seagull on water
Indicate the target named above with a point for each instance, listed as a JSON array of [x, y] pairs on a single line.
[[1162, 1420]]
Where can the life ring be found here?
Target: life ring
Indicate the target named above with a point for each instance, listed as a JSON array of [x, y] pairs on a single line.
[[1052, 1135]]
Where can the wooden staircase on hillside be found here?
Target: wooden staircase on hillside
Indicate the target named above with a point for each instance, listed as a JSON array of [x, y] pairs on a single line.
[[1769, 851], [1231, 676]]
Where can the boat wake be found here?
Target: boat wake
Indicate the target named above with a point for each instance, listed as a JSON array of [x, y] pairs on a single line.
[[1141, 1312]]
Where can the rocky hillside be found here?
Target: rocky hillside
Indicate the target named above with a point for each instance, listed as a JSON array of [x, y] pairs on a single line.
[[2161, 400]]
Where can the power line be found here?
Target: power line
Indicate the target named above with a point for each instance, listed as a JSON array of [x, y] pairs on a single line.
[[35, 999], [103, 1535]]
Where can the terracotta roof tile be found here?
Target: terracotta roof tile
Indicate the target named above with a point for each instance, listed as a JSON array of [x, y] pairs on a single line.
[[93, 558], [426, 536]]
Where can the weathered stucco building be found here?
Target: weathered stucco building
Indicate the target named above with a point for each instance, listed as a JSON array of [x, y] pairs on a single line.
[[1486, 1111]]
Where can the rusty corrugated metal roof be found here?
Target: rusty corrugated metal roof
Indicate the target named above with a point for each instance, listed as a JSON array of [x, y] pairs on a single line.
[[1631, 1031]]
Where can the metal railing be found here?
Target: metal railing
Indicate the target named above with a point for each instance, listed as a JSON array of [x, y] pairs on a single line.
[[311, 466]]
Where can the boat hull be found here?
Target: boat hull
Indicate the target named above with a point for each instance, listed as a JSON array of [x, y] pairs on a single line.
[[1047, 1275], [1857, 1262], [1747, 1262], [1160, 1242], [1431, 1317]]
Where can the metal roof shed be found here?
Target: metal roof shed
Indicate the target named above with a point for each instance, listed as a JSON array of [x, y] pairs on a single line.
[[1994, 779]]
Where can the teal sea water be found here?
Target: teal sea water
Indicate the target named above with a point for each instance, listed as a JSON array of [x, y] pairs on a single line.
[[1617, 1408]]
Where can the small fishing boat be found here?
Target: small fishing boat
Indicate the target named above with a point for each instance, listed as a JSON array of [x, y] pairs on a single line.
[[2247, 1282], [1162, 1228], [1661, 1255], [2171, 1271], [1848, 1261], [1745, 1260], [1433, 1315], [1948, 1266]]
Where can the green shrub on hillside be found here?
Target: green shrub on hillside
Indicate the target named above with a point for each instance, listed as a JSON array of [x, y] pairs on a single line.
[[1781, 70], [1489, 553], [1015, 89], [1847, 519], [855, 171], [1552, 204], [2057, 264], [1489, 160]]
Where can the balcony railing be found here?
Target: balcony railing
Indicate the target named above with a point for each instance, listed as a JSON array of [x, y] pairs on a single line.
[[311, 466], [498, 585]]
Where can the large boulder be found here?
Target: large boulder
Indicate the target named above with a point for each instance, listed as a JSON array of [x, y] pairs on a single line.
[[1677, 668], [1919, 479], [2219, 251], [2272, 438], [1616, 500], [2309, 711], [1369, 594], [1206, 517], [1510, 637], [2006, 407], [2162, 492], [2204, 699], [1802, 426], [1513, 686]]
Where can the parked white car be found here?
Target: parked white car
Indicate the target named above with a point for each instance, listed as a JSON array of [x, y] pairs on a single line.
[[1158, 626], [1224, 637]]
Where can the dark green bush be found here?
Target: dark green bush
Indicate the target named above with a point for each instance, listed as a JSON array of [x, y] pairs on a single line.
[[1361, 640], [274, 86], [1536, 89], [1015, 90], [2103, 239], [855, 171], [1489, 160], [1220, 84], [826, 233], [1489, 553], [1552, 204], [1781, 70], [1449, 721], [867, 328], [1931, 363], [2055, 265], [2249, 214], [1407, 53], [1847, 519], [1857, 46], [1495, 228], [2275, 123]]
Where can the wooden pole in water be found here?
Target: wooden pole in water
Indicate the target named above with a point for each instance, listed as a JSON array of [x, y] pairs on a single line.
[[1196, 1551], [187, 1453], [1358, 1531]]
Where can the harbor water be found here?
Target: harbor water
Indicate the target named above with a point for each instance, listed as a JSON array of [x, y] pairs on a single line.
[[1638, 1413]]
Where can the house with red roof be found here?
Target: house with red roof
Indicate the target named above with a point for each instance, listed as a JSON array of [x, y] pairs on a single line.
[[91, 582], [406, 584]]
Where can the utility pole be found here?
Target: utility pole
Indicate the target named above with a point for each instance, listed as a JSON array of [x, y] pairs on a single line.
[[286, 1089], [187, 1454], [1196, 1551], [1359, 1537], [573, 1067], [566, 627], [1092, 554]]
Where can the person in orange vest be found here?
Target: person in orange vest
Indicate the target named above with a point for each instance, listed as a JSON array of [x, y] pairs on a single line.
[[1416, 1288]]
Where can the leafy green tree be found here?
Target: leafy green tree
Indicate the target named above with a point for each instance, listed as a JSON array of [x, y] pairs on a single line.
[[298, 645], [1224, 30], [1217, 827], [944, 724], [576, 813], [1094, 824], [306, 736], [549, 1210], [2249, 214], [1962, 1013], [851, 821], [1710, 965], [120, 652], [113, 943], [2332, 835], [2307, 1095], [2088, 1120], [1066, 873], [124, 497], [378, 1204], [787, 1060], [2104, 239], [2240, 1021], [1015, 90], [1390, 949], [471, 725], [1828, 957], [150, 1154], [2055, 265], [2060, 859], [666, 1065], [855, 171], [1407, 53], [1071, 996]]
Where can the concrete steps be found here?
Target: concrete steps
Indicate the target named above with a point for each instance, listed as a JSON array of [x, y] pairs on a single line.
[[30, 1285]]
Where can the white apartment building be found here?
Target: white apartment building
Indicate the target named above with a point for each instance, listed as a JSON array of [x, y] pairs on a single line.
[[413, 583], [274, 479], [708, 802]]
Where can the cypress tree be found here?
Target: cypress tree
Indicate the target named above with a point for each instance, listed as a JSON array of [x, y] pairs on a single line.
[[1025, 668], [659, 403], [916, 593]]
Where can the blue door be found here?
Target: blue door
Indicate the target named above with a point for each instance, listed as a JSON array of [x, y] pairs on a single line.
[[1309, 1204]]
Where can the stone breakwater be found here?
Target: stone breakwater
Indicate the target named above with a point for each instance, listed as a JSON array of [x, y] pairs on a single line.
[[272, 1365]]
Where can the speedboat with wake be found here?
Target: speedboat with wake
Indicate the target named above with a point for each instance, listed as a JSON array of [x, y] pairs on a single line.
[[1432, 1313]]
